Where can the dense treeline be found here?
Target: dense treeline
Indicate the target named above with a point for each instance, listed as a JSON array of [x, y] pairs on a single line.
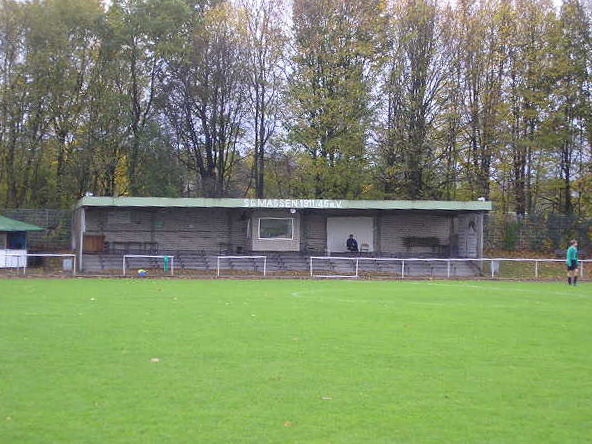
[[359, 99]]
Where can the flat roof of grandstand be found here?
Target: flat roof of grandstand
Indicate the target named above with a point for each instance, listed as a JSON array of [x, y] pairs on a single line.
[[333, 204]]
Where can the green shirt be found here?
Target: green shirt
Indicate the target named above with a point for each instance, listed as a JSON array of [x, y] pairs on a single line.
[[572, 255]]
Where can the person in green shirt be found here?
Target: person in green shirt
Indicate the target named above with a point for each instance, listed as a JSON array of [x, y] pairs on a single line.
[[572, 263]]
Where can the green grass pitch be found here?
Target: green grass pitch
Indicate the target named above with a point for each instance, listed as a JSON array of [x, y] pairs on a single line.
[[294, 362]]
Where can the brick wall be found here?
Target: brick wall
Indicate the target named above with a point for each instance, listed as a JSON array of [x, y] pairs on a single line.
[[190, 229], [396, 227]]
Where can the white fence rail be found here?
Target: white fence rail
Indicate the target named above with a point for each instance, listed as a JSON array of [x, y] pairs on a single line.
[[537, 264], [350, 267], [20, 262], [486, 267]]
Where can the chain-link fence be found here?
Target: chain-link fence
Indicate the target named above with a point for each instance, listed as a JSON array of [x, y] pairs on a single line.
[[549, 234], [56, 224]]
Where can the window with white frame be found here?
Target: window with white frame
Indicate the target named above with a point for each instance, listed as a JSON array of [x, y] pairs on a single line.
[[276, 228]]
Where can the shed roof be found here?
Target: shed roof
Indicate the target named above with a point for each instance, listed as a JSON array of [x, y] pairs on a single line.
[[165, 202], [7, 224]]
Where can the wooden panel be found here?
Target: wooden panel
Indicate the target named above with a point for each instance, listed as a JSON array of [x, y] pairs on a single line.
[[94, 243]]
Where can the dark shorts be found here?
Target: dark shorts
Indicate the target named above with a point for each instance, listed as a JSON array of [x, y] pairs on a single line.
[[573, 266]]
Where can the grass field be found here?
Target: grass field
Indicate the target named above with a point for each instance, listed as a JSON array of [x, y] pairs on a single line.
[[294, 362]]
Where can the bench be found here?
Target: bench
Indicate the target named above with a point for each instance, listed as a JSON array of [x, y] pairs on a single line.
[[433, 243], [133, 247]]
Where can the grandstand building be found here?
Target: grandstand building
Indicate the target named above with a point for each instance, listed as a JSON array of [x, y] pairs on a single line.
[[308, 227]]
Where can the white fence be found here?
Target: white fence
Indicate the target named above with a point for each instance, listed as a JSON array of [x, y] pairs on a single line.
[[63, 263], [350, 267], [353, 267], [538, 263], [12, 258]]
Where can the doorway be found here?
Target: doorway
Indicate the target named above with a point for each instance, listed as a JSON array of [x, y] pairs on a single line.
[[339, 229], [16, 240]]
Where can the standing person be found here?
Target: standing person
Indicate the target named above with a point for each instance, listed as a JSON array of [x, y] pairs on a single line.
[[352, 244], [572, 263]]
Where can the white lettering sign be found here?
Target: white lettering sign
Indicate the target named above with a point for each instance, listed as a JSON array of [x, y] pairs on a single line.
[[292, 203]]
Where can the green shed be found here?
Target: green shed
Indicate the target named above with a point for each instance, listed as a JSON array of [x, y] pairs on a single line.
[[13, 241]]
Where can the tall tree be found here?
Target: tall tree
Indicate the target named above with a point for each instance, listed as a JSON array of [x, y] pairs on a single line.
[[337, 44], [204, 98], [527, 97], [14, 102], [63, 44], [571, 97], [143, 32], [483, 65], [450, 124], [266, 41], [417, 68], [101, 157]]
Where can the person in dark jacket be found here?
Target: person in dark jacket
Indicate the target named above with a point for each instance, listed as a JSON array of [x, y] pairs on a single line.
[[352, 244]]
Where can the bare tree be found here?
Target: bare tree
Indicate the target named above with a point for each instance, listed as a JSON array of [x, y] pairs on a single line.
[[204, 98], [266, 42]]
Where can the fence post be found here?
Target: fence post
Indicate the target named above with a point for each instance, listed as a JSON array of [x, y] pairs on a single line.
[[536, 268]]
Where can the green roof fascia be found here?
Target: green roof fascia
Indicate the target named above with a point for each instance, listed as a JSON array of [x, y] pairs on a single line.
[[330, 204], [11, 225], [163, 202]]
